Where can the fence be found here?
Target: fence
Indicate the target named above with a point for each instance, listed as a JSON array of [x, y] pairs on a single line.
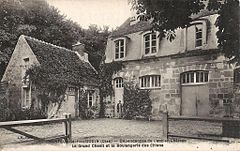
[[230, 127], [66, 136]]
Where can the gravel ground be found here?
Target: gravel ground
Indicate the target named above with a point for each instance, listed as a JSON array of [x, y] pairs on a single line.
[[90, 129], [113, 129]]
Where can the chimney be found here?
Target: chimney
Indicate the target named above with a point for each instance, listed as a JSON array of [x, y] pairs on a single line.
[[79, 48], [133, 18]]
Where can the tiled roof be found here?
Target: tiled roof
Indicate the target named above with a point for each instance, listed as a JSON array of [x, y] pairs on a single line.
[[126, 28], [63, 63], [203, 13]]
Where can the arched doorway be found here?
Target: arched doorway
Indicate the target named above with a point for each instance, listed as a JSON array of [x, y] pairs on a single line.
[[195, 93], [118, 91]]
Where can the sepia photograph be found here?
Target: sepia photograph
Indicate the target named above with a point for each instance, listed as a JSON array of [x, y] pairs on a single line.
[[119, 75]]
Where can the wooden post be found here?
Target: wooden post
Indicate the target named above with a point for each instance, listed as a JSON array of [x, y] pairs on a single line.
[[165, 124], [69, 127], [66, 127]]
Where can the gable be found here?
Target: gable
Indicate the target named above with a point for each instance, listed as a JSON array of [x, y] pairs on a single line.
[[15, 68]]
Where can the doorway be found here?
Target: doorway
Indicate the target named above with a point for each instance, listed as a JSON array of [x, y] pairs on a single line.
[[195, 93]]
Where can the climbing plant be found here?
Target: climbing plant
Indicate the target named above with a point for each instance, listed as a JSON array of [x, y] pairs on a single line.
[[47, 87], [106, 88], [137, 102]]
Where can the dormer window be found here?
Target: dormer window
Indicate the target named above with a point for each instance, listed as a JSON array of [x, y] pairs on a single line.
[[150, 43], [119, 49], [198, 35]]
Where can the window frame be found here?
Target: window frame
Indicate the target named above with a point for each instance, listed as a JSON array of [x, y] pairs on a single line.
[[150, 81], [90, 92], [119, 48], [118, 83], [26, 102], [198, 31], [236, 76], [150, 43], [203, 24], [192, 77]]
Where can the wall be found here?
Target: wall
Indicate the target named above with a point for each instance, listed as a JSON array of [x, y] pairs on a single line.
[[169, 95], [15, 71], [134, 42]]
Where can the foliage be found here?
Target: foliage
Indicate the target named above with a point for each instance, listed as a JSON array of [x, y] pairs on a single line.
[[168, 15], [86, 112], [47, 88], [83, 104], [106, 88], [228, 29], [137, 102], [36, 19], [4, 110], [95, 41], [13, 113]]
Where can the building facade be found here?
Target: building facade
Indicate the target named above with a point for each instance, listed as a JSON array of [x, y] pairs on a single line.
[[67, 65], [188, 76]]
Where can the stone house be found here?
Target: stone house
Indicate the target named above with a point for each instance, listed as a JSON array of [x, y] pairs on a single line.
[[80, 75], [188, 76]]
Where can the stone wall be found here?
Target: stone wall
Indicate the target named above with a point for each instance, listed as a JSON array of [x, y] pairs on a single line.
[[15, 71], [169, 95]]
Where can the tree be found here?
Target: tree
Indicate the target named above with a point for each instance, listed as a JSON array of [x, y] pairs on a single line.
[[36, 19], [168, 15], [95, 40]]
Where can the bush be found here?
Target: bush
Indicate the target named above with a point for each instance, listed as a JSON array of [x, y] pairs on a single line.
[[4, 110], [137, 102]]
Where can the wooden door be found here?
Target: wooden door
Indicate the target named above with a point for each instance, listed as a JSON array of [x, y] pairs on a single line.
[[195, 100], [189, 100], [70, 105], [203, 105]]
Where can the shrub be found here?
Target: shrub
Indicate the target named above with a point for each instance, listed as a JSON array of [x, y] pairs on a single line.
[[137, 102]]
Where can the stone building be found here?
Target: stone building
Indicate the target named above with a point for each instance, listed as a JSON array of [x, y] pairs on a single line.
[[188, 76], [80, 75]]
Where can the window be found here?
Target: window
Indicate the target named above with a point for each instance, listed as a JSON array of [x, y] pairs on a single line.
[[26, 98], [150, 81], [90, 98], [194, 77], [198, 35], [26, 81], [150, 43], [119, 49], [71, 91], [26, 63], [237, 76], [118, 83]]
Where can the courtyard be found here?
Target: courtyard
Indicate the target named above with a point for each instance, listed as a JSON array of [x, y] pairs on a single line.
[[112, 129]]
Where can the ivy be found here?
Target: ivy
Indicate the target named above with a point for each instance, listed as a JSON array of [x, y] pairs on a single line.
[[137, 102], [48, 88], [106, 88]]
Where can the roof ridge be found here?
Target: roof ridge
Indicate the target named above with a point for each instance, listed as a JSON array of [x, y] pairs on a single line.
[[47, 43], [72, 51]]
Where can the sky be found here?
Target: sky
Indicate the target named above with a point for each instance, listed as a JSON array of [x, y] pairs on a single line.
[[100, 12]]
